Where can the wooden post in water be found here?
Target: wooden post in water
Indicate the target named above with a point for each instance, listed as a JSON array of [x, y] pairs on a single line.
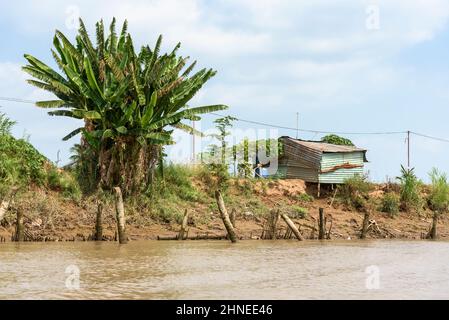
[[292, 227], [120, 216], [20, 229], [433, 230], [321, 225], [272, 224], [225, 217], [4, 204], [232, 217], [99, 222], [365, 225], [183, 232]]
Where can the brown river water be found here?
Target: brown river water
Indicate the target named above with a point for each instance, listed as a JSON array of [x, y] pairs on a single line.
[[220, 270]]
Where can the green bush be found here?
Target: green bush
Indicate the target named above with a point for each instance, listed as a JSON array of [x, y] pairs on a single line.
[[20, 162], [334, 139], [354, 192], [439, 191], [304, 198], [5, 124], [390, 204], [410, 190], [299, 212], [214, 175], [63, 182]]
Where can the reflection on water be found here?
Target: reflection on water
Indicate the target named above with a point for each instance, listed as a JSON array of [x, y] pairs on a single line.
[[220, 270]]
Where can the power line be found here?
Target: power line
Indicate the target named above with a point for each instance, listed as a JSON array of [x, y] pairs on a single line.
[[429, 137], [312, 131], [19, 100]]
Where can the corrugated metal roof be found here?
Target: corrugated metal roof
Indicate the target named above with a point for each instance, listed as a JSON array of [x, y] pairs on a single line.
[[323, 146]]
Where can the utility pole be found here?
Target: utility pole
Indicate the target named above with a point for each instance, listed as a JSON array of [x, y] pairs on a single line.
[[408, 149], [297, 125]]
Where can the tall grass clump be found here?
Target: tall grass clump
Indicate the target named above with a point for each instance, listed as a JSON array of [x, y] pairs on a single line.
[[354, 192], [410, 190], [166, 198], [438, 198]]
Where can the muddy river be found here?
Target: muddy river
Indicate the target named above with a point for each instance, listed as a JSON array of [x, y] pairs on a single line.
[[220, 270]]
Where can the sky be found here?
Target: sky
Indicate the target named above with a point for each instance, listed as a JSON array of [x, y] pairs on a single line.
[[344, 66]]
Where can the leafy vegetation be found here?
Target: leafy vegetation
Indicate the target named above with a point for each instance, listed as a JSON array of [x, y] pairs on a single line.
[[390, 204], [439, 191], [354, 192], [130, 101], [21, 165], [305, 197], [410, 190], [299, 212], [334, 139]]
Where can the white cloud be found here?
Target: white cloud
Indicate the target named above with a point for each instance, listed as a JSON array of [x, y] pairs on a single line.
[[272, 56]]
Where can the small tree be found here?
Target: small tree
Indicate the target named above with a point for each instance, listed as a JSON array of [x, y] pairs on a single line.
[[5, 124], [410, 190], [438, 198], [222, 124]]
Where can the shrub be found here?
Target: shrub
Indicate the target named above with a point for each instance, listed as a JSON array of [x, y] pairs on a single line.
[[334, 139], [20, 162], [64, 182], [439, 192], [304, 197], [390, 204], [5, 124], [175, 182], [299, 212], [215, 176], [410, 190], [354, 191]]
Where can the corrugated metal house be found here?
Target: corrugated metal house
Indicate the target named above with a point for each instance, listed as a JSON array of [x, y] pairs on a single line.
[[319, 162]]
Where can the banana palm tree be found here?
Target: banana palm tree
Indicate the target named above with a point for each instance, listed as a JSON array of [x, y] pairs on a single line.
[[130, 102]]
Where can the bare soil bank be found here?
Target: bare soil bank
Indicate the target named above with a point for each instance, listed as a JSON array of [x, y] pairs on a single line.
[[51, 217]]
